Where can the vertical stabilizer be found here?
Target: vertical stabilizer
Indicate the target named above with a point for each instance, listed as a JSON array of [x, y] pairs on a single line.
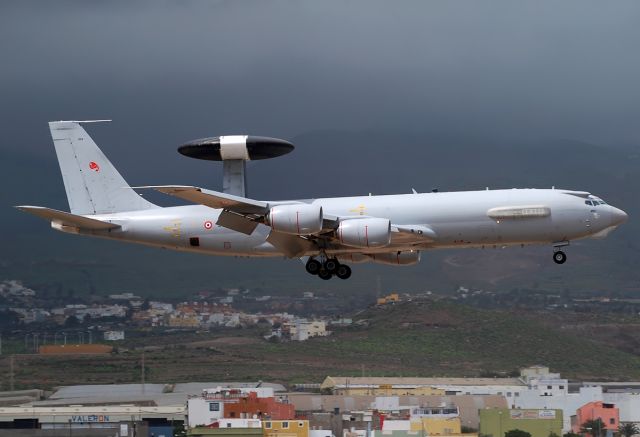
[[92, 183]]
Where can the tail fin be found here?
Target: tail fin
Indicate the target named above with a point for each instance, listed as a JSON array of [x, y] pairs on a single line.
[[92, 183]]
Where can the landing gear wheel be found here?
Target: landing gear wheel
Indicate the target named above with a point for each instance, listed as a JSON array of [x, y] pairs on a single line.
[[343, 272], [324, 274], [313, 266], [331, 265], [559, 257]]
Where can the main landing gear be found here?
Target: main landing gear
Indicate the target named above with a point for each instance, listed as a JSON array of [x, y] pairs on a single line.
[[326, 270]]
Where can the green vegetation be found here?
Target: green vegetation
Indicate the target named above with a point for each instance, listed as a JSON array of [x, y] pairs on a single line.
[[517, 433], [419, 338]]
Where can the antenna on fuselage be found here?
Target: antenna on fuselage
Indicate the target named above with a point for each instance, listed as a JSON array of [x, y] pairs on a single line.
[[234, 151]]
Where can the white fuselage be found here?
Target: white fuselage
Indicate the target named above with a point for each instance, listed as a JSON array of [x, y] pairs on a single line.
[[458, 219]]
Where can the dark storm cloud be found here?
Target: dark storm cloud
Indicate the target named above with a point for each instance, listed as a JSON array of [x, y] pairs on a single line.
[[379, 81], [558, 68]]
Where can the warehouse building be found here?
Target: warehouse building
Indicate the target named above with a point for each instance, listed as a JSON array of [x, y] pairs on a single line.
[[496, 422]]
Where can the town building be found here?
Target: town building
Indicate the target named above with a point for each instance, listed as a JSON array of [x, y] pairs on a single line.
[[237, 403], [607, 413], [496, 422], [302, 329], [285, 428], [99, 420], [508, 387], [251, 406], [113, 335], [627, 402]]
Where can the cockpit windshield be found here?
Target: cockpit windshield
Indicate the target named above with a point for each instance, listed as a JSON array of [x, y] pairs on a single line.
[[595, 202]]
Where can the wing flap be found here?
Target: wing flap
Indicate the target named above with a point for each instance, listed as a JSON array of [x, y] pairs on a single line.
[[236, 222], [67, 219]]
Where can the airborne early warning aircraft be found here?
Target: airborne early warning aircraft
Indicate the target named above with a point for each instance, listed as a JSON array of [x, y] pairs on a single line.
[[326, 233]]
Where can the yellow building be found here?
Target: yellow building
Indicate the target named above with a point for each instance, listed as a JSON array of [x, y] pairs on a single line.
[[185, 321], [304, 329], [380, 386], [285, 428], [443, 426], [393, 297]]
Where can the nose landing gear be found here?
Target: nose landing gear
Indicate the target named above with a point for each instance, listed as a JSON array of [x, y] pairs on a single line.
[[559, 257], [329, 268]]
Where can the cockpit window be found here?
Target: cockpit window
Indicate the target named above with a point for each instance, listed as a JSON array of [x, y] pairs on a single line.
[[588, 202]]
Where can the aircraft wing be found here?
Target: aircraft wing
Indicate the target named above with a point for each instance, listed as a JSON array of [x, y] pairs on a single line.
[[214, 199], [242, 214], [238, 213], [67, 219]]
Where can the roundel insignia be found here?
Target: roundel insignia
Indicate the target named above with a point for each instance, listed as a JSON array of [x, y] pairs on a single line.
[[208, 224], [94, 166]]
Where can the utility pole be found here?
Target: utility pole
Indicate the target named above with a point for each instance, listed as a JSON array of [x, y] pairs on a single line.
[[142, 372], [11, 384]]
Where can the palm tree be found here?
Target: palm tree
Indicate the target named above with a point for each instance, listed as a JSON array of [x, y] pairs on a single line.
[[594, 427], [629, 429]]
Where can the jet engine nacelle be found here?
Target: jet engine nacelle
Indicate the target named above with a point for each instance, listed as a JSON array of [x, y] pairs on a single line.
[[365, 232], [408, 258], [296, 219]]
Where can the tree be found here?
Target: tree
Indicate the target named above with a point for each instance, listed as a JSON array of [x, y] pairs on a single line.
[[594, 427], [517, 433], [71, 322], [570, 434], [628, 429], [553, 434]]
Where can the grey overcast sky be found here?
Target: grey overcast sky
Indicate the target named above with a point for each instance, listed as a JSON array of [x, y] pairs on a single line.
[[530, 68], [484, 72]]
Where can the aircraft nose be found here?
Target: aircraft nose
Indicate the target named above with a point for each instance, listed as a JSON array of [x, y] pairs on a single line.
[[618, 216]]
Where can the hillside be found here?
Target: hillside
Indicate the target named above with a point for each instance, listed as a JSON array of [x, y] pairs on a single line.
[[406, 339]]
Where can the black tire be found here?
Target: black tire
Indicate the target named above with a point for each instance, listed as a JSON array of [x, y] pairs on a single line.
[[343, 272], [313, 266], [324, 274], [331, 265], [559, 257]]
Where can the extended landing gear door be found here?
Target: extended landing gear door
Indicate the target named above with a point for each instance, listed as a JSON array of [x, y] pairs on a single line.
[[236, 222]]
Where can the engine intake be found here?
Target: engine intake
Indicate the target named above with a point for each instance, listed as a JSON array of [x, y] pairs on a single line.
[[296, 219], [365, 232]]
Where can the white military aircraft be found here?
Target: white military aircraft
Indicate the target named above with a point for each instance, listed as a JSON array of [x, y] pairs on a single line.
[[325, 233]]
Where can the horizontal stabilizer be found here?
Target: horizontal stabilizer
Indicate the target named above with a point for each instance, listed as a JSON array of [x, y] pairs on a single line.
[[214, 199], [67, 219]]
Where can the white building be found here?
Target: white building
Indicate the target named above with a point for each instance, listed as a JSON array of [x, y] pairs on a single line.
[[627, 402], [209, 408], [302, 329], [549, 391], [113, 335], [15, 288], [203, 411]]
